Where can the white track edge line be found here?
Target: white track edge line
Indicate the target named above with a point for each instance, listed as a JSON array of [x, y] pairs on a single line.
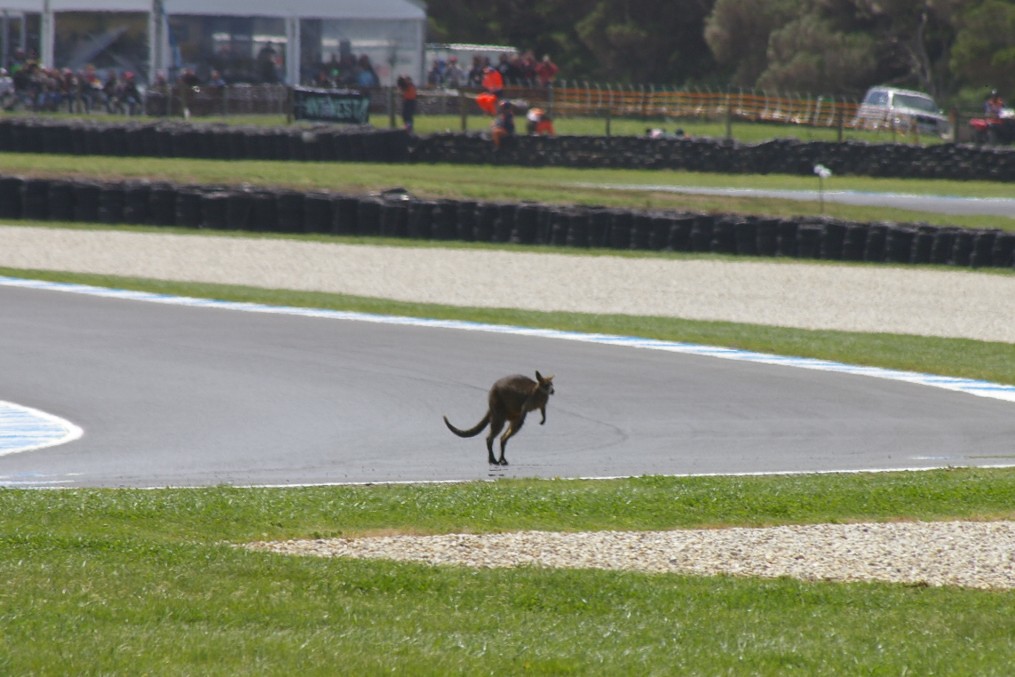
[[964, 385]]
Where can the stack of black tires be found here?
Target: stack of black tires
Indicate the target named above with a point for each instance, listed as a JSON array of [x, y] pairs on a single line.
[[397, 214]]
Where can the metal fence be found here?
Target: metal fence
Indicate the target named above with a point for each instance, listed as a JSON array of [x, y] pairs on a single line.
[[646, 101], [565, 99], [230, 100], [649, 103]]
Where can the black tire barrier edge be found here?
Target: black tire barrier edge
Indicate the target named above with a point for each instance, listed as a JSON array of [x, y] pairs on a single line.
[[401, 215]]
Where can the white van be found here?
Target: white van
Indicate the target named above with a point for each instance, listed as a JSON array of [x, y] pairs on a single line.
[[902, 110]]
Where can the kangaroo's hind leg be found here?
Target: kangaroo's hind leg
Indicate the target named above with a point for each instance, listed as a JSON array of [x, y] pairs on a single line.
[[513, 428], [496, 425]]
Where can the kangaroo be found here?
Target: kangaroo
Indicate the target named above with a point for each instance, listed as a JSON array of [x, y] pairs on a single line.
[[511, 398]]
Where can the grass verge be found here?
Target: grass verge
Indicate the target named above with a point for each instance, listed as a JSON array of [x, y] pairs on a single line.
[[551, 185], [138, 582], [741, 130]]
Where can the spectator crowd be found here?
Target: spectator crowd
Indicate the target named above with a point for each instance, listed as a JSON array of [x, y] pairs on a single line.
[[344, 69], [29, 85], [519, 69]]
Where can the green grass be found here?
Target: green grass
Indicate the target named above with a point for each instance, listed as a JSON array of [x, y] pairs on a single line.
[[742, 131], [136, 582], [425, 124], [149, 582], [544, 184], [131, 581]]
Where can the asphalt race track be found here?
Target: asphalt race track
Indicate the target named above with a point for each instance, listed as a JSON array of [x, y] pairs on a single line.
[[937, 204], [171, 395]]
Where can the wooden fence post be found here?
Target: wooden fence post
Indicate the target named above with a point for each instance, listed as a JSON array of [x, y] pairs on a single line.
[[839, 121], [729, 117]]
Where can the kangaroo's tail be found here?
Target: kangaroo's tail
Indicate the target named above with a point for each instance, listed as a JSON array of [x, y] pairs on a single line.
[[471, 432]]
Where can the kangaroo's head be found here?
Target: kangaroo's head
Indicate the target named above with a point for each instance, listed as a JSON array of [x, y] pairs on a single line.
[[544, 383]]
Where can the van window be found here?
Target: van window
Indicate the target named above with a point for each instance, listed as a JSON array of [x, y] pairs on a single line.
[[877, 97], [915, 103]]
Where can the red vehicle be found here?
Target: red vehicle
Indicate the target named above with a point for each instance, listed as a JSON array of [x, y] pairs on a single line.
[[995, 130]]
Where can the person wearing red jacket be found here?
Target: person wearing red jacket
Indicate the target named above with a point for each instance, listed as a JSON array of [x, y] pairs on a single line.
[[546, 71]]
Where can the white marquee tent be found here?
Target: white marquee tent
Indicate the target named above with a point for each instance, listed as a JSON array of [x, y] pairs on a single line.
[[407, 19]]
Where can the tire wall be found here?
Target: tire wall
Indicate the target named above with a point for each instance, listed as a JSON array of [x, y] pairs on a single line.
[[203, 141], [399, 215], [365, 143]]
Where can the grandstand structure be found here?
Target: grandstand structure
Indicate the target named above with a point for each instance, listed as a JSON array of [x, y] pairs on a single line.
[[168, 36]]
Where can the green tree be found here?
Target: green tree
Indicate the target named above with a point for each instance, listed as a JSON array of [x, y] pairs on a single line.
[[647, 40], [460, 21], [834, 45], [619, 40], [738, 32], [824, 46], [983, 56], [547, 27], [914, 39], [808, 55]]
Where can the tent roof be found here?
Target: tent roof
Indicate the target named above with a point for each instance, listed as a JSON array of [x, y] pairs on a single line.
[[99, 5], [20, 5], [316, 9], [77, 5]]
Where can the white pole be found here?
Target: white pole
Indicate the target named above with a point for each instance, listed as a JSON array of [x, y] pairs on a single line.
[[292, 52], [154, 40], [48, 30], [420, 59], [6, 37]]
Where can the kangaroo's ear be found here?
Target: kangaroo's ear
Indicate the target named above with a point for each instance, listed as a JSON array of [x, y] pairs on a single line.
[[539, 377]]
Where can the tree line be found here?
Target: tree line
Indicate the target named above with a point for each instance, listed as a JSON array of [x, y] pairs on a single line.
[[956, 50]]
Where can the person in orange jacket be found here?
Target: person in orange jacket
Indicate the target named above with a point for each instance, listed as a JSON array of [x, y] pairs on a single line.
[[408, 89], [493, 81]]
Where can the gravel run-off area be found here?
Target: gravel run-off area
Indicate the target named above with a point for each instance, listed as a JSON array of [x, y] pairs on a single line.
[[905, 300], [866, 298], [967, 554]]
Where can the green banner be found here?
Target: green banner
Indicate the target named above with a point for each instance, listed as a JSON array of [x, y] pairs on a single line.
[[331, 105]]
